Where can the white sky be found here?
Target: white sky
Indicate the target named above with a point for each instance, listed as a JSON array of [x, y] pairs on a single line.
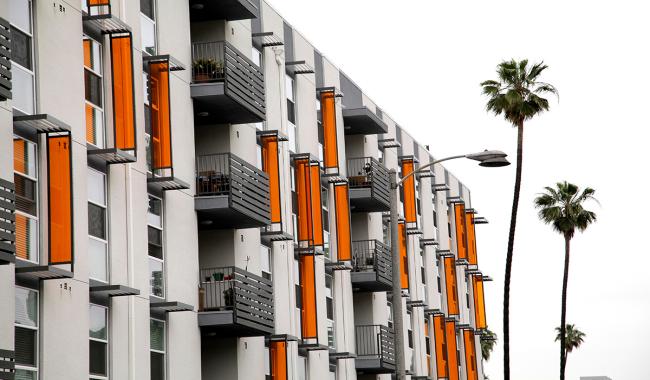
[[422, 62]]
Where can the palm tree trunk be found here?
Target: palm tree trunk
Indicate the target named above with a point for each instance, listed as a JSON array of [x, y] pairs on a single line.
[[511, 242], [567, 249]]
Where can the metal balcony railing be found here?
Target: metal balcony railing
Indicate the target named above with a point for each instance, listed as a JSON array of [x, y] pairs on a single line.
[[369, 174], [375, 342], [221, 62], [246, 187], [371, 255], [248, 296]]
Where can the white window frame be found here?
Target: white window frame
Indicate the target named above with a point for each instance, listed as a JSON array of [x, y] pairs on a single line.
[[270, 271], [36, 258], [106, 229], [100, 74], [108, 367], [155, 28], [160, 228], [37, 329], [16, 65], [164, 351], [329, 293]]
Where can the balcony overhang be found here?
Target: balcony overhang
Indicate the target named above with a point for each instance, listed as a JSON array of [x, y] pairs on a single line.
[[218, 212], [225, 323], [166, 183], [41, 272], [41, 123], [169, 306], [362, 121], [373, 365], [113, 290], [109, 156], [369, 281], [104, 24], [215, 103], [230, 10], [362, 200], [6, 258]]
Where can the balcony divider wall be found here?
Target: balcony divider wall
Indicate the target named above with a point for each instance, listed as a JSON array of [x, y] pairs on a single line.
[[369, 185], [461, 231], [5, 60]]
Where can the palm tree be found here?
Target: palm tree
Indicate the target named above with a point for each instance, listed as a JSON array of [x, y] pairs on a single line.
[[573, 339], [563, 208], [517, 95], [488, 340]]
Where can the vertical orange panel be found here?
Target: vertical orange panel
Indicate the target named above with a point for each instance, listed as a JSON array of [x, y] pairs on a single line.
[[441, 345], [308, 292], [87, 53], [22, 236], [403, 252], [452, 350], [472, 255], [410, 213], [60, 199], [279, 360], [304, 205], [123, 102], [20, 156], [343, 235], [99, 2], [160, 115], [479, 302], [328, 112], [450, 282], [270, 165], [91, 131], [316, 204], [470, 355], [461, 238]]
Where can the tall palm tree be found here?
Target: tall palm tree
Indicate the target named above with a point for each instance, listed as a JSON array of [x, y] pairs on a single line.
[[563, 208], [573, 339], [488, 340], [517, 95]]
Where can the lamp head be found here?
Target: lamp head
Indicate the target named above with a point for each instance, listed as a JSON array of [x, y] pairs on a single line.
[[490, 158]]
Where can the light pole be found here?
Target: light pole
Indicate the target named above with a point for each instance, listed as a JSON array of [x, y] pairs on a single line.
[[487, 158]]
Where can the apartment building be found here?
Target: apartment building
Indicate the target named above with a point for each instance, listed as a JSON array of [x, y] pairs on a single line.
[[190, 190]]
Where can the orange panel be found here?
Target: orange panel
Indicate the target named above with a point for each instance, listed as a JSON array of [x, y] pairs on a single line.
[[161, 133], [328, 112], [310, 210], [271, 166], [91, 132], [343, 233], [123, 102], [479, 302], [316, 204], [308, 293], [60, 198], [20, 156], [279, 360], [99, 2], [472, 255], [450, 282], [452, 350], [461, 237], [441, 345], [22, 237], [87, 52], [470, 355], [401, 229], [410, 213]]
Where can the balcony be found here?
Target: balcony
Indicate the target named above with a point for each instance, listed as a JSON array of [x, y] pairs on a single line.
[[375, 349], [369, 185], [234, 302], [371, 266], [230, 10], [227, 87], [362, 121], [231, 193]]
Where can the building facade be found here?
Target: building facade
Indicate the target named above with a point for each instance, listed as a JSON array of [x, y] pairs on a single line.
[[190, 190]]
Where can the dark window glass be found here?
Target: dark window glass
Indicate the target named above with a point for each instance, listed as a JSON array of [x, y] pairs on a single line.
[[326, 221], [439, 290], [435, 218], [330, 309], [97, 362], [422, 272], [147, 119], [25, 346], [146, 7], [93, 88], [291, 111], [410, 335], [96, 221], [25, 194], [155, 243], [428, 346], [157, 366], [298, 297], [21, 48]]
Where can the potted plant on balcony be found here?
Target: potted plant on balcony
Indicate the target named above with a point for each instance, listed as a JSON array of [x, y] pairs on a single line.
[[206, 69], [229, 297]]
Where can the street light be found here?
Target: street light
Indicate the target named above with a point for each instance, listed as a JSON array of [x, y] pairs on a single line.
[[487, 158]]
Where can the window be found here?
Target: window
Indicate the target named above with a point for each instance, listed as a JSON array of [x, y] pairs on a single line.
[[26, 181], [409, 324], [156, 256], [97, 226], [147, 122], [291, 112], [389, 309], [98, 345], [148, 26], [265, 260], [93, 80], [26, 334], [330, 312], [157, 348], [22, 53]]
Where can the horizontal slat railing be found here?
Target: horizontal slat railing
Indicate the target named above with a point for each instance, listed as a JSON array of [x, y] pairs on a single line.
[[5, 60], [371, 255], [375, 342], [7, 217], [249, 296]]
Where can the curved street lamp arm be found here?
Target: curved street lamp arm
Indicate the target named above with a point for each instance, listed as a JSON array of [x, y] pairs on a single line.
[[421, 169]]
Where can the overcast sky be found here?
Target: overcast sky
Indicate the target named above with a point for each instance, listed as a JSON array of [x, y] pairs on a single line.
[[422, 62]]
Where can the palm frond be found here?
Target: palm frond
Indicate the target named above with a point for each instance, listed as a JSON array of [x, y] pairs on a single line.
[[563, 208]]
